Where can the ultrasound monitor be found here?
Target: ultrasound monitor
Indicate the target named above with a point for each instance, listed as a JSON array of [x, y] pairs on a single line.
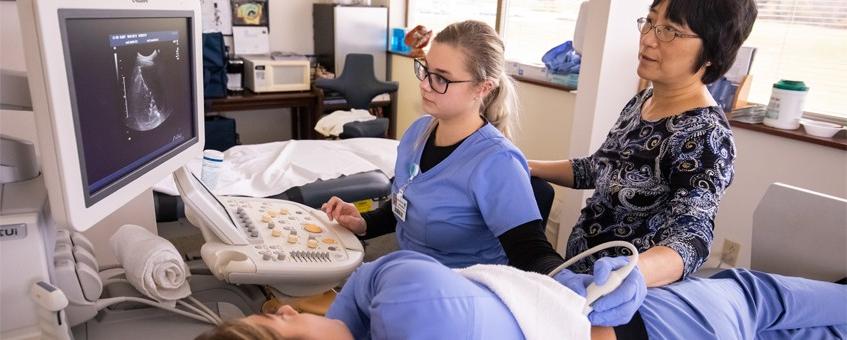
[[117, 93]]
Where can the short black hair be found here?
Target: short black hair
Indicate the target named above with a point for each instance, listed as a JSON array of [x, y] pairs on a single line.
[[723, 26]]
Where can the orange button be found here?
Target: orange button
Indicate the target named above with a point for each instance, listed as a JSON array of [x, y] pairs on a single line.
[[328, 240], [312, 228]]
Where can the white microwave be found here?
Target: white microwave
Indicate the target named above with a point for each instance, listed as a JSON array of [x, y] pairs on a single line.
[[265, 74]]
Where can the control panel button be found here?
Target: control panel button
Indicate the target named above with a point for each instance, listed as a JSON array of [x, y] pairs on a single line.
[[254, 233], [266, 218], [280, 256], [271, 225], [266, 257], [329, 240], [313, 243], [276, 233], [283, 212], [312, 228], [273, 213], [292, 238]]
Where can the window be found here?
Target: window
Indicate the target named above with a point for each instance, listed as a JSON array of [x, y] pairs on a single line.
[[437, 14], [533, 27], [802, 40], [530, 28]]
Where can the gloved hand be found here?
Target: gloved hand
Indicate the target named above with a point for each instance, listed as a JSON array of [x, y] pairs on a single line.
[[617, 307], [575, 282]]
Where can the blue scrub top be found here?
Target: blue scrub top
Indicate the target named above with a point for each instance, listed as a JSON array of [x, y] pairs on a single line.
[[457, 209], [407, 295]]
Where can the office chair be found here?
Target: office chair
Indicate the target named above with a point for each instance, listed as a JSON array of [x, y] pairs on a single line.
[[358, 85], [544, 195]]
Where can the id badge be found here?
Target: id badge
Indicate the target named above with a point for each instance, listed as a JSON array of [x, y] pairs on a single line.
[[399, 205]]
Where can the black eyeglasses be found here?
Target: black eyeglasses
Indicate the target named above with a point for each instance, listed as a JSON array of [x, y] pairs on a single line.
[[436, 82], [663, 32]]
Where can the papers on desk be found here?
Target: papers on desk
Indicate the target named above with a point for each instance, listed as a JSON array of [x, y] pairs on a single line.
[[251, 40]]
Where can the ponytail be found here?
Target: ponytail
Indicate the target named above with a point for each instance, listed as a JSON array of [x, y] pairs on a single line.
[[500, 106]]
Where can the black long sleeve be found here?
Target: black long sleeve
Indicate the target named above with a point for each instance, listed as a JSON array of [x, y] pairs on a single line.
[[380, 221], [528, 249]]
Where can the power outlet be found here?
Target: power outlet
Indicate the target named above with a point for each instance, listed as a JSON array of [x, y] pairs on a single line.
[[729, 255]]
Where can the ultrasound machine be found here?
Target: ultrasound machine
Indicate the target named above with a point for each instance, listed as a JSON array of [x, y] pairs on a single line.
[[116, 91]]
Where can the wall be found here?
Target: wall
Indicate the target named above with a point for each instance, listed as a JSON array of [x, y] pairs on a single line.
[[11, 58], [544, 132], [763, 159], [408, 106], [607, 81]]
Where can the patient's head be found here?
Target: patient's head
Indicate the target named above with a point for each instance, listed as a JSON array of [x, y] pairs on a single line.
[[286, 323]]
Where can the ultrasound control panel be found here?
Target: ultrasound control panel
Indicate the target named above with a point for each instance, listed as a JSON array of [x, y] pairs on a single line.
[[288, 246]]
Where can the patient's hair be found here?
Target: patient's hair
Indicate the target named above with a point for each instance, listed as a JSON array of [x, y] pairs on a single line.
[[723, 25], [240, 330], [484, 59]]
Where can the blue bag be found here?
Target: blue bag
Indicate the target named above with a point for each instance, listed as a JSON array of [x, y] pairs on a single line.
[[214, 65], [562, 59]]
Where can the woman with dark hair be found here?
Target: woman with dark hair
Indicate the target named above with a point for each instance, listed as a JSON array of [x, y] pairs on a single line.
[[668, 160]]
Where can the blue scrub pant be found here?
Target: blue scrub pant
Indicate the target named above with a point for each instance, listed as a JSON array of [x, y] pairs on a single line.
[[743, 304]]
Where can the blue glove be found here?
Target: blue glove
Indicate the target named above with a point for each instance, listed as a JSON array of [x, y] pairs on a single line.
[[617, 307], [575, 282]]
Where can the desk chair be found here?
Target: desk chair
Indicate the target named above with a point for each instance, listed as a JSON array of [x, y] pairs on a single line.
[[358, 85]]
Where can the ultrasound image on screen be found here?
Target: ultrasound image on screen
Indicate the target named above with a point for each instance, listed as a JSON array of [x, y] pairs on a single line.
[[143, 62], [132, 92]]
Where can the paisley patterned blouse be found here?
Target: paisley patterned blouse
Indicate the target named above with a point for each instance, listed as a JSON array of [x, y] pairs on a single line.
[[656, 183]]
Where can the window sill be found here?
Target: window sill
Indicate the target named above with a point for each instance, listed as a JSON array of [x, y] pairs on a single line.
[[839, 141], [543, 83], [401, 54]]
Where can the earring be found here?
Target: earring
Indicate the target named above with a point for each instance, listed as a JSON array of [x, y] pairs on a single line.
[[708, 63]]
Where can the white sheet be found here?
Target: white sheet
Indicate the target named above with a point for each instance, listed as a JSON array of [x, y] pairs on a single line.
[[263, 170]]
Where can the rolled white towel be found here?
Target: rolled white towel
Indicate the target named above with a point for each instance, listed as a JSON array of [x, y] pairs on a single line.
[[152, 264]]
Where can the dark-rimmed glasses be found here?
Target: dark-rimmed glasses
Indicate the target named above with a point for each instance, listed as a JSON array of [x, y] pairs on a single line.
[[663, 32], [437, 82]]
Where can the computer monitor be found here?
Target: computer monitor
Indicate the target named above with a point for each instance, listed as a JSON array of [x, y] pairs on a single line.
[[116, 88]]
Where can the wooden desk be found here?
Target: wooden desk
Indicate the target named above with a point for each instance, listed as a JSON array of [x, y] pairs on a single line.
[[304, 107]]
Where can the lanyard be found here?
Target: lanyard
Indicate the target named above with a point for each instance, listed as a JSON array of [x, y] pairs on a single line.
[[414, 170]]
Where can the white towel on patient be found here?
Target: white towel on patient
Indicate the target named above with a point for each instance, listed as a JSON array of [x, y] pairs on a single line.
[[543, 307], [152, 264], [333, 123]]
